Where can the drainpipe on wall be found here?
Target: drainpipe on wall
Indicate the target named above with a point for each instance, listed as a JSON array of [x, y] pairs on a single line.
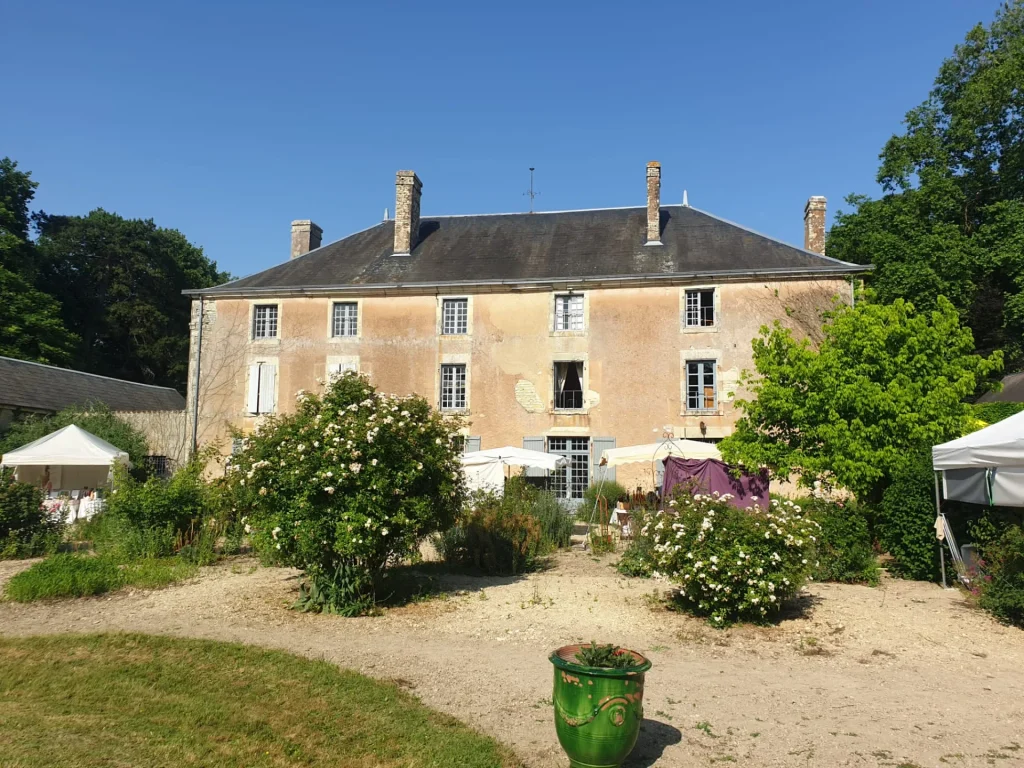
[[195, 384]]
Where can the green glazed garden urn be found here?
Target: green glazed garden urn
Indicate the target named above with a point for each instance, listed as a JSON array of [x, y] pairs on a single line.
[[597, 710]]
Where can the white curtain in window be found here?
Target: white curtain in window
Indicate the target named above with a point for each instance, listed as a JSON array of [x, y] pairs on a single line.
[[561, 372], [579, 372]]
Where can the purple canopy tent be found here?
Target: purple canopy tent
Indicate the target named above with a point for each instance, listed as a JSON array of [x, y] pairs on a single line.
[[709, 475]]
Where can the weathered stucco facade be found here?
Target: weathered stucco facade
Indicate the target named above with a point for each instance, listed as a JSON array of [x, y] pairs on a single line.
[[634, 348]]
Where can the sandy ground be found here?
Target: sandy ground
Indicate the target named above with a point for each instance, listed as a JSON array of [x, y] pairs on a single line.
[[903, 675]]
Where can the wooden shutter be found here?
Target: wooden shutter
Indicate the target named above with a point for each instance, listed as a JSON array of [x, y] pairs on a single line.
[[534, 444], [252, 402], [472, 444], [268, 378], [599, 445]]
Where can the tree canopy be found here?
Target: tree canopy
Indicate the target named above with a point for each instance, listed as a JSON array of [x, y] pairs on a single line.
[[117, 282], [951, 221], [885, 381]]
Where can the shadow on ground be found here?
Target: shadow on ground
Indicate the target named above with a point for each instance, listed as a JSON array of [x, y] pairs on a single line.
[[654, 737]]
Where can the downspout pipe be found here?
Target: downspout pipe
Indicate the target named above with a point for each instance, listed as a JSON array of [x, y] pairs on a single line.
[[195, 381]]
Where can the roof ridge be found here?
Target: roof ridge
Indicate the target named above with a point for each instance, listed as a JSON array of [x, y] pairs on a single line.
[[94, 375]]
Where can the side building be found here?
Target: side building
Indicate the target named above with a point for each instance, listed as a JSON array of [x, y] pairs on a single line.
[[570, 332]]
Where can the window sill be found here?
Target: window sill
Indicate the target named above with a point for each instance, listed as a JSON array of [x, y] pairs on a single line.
[[701, 412], [454, 411], [343, 339], [700, 328], [569, 411], [568, 334], [454, 335], [266, 341]]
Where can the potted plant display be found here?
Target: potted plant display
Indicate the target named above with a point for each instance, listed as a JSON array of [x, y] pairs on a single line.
[[598, 698]]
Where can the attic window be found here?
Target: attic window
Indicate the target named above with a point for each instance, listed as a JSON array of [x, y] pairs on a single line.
[[569, 312], [569, 385]]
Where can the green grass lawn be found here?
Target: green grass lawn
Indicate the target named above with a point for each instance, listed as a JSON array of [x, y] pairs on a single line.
[[71, 575], [119, 700]]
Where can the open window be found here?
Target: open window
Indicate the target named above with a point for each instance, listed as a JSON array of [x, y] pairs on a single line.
[[569, 385], [701, 386], [700, 308]]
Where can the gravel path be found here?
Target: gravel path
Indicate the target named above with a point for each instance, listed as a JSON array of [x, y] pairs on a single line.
[[903, 675]]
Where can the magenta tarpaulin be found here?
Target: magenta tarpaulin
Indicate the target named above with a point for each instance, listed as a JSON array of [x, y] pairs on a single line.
[[710, 475]]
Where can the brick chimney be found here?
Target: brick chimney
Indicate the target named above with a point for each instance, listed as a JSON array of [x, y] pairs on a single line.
[[653, 203], [407, 210], [305, 237], [814, 224]]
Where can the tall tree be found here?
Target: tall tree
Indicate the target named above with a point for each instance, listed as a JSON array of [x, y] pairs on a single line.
[[31, 327], [119, 282], [885, 383], [951, 221]]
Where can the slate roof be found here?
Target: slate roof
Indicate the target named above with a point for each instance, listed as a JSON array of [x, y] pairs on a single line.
[[37, 387], [539, 247], [1012, 391]]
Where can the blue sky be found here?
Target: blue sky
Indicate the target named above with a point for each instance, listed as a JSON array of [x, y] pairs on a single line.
[[228, 120]]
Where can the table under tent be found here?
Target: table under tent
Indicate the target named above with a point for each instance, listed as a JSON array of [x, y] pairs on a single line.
[[63, 464], [486, 470], [984, 467]]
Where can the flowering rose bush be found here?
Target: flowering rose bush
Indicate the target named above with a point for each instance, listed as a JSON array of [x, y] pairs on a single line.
[[733, 564], [348, 485]]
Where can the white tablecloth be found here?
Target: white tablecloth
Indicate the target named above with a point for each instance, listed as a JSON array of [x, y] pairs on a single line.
[[89, 507]]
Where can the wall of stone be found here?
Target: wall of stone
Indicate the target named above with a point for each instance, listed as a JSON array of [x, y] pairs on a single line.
[[165, 431], [634, 348]]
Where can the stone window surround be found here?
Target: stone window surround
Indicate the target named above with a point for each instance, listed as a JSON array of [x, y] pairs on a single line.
[[685, 356], [250, 361], [343, 360], [551, 313], [330, 320], [267, 341], [455, 359], [683, 327], [569, 357], [439, 330]]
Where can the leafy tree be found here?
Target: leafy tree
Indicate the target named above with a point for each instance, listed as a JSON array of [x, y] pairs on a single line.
[[97, 419], [119, 282], [16, 192], [951, 221], [885, 381]]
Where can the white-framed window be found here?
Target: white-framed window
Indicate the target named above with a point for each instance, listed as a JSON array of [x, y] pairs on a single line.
[[700, 308], [262, 393], [454, 316], [569, 312], [345, 319], [335, 370], [264, 321], [453, 387], [568, 385], [701, 385], [570, 481]]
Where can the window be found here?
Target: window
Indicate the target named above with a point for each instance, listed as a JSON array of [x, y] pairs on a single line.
[[337, 370], [458, 443], [700, 308], [160, 466], [262, 381], [454, 316], [570, 481], [569, 312], [569, 385], [264, 321], [701, 392], [453, 387], [345, 320]]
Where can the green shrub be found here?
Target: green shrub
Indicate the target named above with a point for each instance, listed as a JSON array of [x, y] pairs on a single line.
[[843, 550], [501, 536], [353, 479], [639, 558], [26, 529], [176, 502], [610, 490], [906, 520], [118, 538], [70, 575], [733, 564], [1002, 589], [990, 413], [95, 418], [555, 523]]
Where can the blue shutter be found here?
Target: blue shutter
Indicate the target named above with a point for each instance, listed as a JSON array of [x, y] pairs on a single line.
[[534, 444], [472, 444], [600, 445]]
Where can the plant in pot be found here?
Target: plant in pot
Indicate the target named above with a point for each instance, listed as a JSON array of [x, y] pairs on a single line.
[[598, 698]]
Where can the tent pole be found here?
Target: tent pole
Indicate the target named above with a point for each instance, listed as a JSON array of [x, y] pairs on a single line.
[[938, 513]]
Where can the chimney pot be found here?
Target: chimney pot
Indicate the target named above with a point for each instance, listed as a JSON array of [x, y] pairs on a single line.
[[407, 210], [814, 224], [306, 237], [653, 203]]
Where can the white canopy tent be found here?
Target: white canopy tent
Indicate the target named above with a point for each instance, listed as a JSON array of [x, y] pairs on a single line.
[[485, 470], [984, 467], [635, 454], [74, 458]]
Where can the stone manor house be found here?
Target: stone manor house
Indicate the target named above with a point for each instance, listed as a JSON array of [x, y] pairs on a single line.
[[565, 331]]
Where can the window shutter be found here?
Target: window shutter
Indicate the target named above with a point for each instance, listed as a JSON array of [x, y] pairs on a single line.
[[600, 445], [252, 403], [534, 444], [268, 377], [472, 444]]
